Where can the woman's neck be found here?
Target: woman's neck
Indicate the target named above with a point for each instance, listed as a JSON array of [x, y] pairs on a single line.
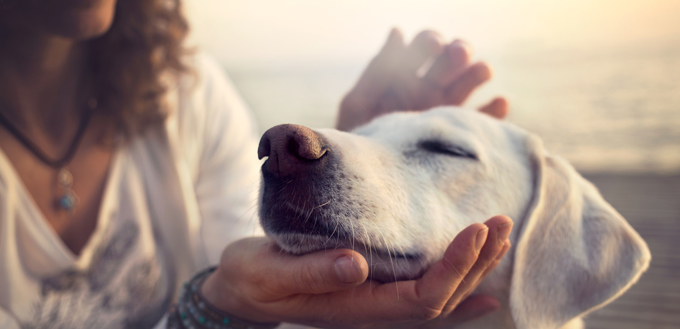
[[40, 76]]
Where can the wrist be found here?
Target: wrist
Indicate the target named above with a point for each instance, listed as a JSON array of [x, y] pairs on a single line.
[[194, 310], [216, 292], [212, 291]]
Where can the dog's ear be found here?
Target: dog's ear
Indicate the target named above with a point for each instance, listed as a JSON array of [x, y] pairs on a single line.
[[575, 252]]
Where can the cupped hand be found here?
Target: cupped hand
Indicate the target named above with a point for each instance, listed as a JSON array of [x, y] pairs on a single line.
[[257, 282], [395, 80]]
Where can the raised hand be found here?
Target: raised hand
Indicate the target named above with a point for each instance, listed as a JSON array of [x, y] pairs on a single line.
[[421, 75]]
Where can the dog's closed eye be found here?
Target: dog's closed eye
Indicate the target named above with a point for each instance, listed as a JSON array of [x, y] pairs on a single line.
[[442, 147]]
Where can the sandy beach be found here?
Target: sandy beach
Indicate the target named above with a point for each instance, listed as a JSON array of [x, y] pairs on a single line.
[[651, 204]]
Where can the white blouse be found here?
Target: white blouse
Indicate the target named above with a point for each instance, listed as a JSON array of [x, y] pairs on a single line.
[[174, 198]]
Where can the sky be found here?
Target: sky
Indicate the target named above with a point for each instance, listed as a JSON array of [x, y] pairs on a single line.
[[301, 31], [597, 79]]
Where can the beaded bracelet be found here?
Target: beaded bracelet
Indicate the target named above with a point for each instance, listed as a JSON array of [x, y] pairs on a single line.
[[194, 311]]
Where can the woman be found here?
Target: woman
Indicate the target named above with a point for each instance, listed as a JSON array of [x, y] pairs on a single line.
[[127, 164]]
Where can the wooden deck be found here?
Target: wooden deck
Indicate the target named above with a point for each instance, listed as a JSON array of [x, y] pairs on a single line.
[[651, 204]]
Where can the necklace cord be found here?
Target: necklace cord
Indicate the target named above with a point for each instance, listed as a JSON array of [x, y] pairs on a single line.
[[38, 153]]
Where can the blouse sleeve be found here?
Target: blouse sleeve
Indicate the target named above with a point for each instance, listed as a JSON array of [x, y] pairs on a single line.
[[220, 140], [6, 321]]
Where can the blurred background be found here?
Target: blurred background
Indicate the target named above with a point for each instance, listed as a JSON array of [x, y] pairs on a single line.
[[599, 80]]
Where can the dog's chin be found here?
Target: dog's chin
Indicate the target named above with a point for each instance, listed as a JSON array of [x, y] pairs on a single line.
[[300, 244], [384, 265]]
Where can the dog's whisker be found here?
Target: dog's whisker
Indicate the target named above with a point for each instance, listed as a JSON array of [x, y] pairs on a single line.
[[389, 254], [309, 215], [394, 271], [352, 228], [337, 222], [309, 199], [283, 188], [323, 204], [369, 244]]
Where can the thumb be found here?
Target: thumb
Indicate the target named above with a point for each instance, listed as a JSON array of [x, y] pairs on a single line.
[[320, 272]]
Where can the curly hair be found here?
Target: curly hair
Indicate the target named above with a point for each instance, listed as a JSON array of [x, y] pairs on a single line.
[[129, 61]]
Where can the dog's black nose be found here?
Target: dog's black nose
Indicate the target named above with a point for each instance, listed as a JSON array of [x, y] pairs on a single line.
[[290, 148]]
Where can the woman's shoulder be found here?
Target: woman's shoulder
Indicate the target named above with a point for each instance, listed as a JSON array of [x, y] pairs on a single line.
[[206, 72], [204, 96], [204, 87], [207, 115]]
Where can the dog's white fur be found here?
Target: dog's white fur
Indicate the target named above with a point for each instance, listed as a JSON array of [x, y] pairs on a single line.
[[572, 252]]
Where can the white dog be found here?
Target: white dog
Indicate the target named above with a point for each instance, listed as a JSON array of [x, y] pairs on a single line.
[[400, 188]]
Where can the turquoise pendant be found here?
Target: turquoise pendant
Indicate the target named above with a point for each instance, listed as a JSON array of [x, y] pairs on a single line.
[[69, 200]]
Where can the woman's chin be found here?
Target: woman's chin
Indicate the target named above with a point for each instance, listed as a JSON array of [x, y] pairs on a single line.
[[71, 20], [84, 24]]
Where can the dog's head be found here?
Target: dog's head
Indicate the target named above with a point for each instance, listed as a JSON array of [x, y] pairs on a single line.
[[399, 189]]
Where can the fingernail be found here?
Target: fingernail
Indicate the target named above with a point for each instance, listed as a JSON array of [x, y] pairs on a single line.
[[504, 250], [481, 238], [504, 232], [347, 269]]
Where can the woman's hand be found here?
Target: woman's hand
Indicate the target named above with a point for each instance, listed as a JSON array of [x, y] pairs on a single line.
[[393, 81], [257, 282]]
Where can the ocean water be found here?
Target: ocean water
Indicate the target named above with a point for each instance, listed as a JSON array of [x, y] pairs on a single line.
[[614, 110]]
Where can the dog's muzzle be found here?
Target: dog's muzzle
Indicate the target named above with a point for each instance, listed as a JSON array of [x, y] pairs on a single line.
[[299, 175]]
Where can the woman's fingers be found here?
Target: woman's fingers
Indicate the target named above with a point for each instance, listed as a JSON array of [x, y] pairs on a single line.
[[360, 105], [393, 44], [471, 78], [315, 286], [406, 91], [494, 263], [445, 276], [426, 45], [499, 231], [449, 65], [398, 61], [391, 81], [497, 108], [379, 73], [412, 300]]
